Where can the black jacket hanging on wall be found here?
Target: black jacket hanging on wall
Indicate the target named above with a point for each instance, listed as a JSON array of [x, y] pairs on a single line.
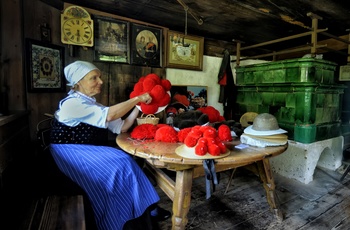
[[228, 91]]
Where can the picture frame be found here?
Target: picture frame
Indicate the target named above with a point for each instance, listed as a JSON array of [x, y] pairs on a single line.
[[111, 40], [184, 51], [146, 45], [189, 97], [44, 67]]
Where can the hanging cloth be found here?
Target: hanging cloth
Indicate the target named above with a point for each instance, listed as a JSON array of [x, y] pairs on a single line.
[[210, 176], [228, 90]]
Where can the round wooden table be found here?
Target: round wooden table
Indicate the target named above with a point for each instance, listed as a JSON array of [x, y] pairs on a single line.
[[162, 155]]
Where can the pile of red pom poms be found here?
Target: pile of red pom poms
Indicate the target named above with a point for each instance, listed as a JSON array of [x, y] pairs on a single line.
[[157, 88], [205, 139]]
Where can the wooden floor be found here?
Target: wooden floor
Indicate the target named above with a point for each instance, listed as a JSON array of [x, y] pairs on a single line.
[[323, 204]]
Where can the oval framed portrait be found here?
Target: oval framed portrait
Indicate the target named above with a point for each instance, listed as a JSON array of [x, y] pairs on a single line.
[[146, 45]]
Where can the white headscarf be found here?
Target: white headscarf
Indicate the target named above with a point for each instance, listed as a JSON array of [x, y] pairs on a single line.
[[75, 71]]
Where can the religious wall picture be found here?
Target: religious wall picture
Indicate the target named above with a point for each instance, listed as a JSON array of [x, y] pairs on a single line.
[[44, 67], [184, 51], [146, 46], [111, 40]]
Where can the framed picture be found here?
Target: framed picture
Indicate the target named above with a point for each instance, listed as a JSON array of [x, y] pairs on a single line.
[[184, 51], [44, 66], [111, 40], [146, 46], [189, 97]]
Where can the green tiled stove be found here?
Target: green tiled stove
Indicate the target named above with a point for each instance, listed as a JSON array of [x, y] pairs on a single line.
[[300, 93]]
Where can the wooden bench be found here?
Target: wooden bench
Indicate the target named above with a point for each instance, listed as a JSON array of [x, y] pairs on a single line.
[[59, 212]]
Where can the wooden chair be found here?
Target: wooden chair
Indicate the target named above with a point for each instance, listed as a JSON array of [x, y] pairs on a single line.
[[60, 193]]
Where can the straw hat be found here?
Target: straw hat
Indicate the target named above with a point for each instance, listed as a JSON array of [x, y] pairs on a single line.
[[264, 124]]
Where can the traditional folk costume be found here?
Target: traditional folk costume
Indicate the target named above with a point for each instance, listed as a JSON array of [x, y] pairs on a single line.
[[116, 186]]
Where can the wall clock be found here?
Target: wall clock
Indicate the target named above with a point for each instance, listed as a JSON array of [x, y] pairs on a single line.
[[77, 28]]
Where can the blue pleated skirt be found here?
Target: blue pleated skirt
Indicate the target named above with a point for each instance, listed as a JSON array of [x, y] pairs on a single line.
[[116, 186]]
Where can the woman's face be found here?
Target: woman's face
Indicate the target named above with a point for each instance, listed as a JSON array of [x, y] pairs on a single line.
[[91, 84]]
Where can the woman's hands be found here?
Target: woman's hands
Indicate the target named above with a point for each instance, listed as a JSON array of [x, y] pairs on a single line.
[[120, 109], [145, 98]]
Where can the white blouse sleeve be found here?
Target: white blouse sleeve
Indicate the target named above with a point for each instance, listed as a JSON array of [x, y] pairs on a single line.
[[75, 110], [116, 125]]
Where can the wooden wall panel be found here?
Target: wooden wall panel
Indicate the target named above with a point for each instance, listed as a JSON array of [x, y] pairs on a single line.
[[11, 61], [117, 78], [37, 13]]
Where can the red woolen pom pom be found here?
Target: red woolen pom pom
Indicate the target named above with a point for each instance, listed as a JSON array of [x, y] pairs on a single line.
[[210, 133], [190, 141], [138, 87], [166, 134], [149, 108], [142, 79], [210, 140], [165, 100], [214, 150], [161, 125], [157, 93], [224, 133], [206, 127], [196, 133], [197, 127], [182, 134], [221, 145], [200, 149], [155, 77], [144, 131], [148, 84], [203, 141], [166, 84]]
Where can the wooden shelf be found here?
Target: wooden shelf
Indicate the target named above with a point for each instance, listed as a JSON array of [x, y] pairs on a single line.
[[312, 48]]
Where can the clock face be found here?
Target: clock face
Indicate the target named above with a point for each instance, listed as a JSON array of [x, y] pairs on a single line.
[[77, 31]]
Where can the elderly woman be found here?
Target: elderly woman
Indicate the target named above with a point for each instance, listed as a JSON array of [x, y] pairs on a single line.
[[117, 188]]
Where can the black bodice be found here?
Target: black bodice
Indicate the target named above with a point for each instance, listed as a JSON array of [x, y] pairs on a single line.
[[80, 134]]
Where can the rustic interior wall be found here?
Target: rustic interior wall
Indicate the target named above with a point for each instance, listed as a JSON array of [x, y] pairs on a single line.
[[117, 78], [11, 75], [208, 77]]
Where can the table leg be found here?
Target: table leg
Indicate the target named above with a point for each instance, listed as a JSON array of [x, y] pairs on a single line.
[[265, 174], [182, 198]]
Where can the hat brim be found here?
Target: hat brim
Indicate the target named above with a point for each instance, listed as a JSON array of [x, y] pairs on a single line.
[[160, 109], [178, 105], [189, 153], [249, 130]]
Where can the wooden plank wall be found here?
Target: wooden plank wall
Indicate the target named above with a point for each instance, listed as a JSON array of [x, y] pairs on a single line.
[[117, 78], [11, 60], [17, 27]]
